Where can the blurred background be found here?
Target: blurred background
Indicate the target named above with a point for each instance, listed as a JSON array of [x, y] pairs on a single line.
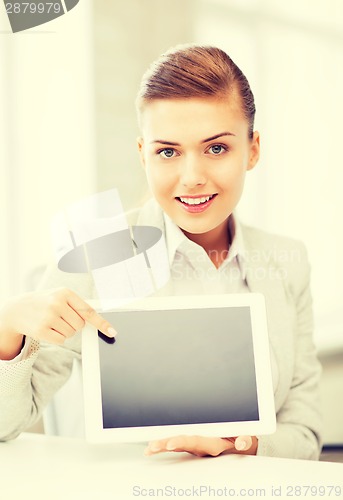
[[68, 129]]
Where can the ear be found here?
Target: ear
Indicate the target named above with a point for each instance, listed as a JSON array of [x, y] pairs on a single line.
[[140, 144], [254, 154]]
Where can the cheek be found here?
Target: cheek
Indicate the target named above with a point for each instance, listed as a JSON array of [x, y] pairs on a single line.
[[232, 185], [156, 180], [158, 177], [231, 177], [238, 188]]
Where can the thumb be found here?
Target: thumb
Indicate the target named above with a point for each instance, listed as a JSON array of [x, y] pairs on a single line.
[[243, 443]]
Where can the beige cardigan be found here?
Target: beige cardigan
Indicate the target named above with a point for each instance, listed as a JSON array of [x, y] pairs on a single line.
[[278, 268]]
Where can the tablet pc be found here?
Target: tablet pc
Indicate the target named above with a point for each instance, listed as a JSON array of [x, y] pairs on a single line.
[[179, 365]]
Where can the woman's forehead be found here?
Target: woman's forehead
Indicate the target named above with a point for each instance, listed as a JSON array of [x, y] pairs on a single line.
[[199, 118]]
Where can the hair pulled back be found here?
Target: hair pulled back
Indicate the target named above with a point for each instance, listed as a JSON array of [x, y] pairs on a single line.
[[196, 71]]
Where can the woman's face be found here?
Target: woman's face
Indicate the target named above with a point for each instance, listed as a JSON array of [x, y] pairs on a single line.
[[195, 153]]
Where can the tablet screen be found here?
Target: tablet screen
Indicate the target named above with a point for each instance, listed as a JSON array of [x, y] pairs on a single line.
[[197, 368]]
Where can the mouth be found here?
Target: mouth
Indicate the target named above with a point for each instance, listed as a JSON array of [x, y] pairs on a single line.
[[195, 200], [196, 204]]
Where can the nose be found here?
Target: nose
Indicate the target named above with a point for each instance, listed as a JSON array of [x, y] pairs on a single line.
[[192, 172]]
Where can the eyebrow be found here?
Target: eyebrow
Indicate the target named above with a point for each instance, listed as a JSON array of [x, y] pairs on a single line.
[[169, 143]]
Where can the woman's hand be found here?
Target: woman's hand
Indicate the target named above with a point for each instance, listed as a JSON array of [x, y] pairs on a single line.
[[52, 316], [204, 446]]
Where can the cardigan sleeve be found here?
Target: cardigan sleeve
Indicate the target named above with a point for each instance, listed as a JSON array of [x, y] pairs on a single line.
[[28, 385], [299, 422]]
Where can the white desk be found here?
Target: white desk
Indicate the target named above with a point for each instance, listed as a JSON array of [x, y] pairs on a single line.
[[40, 467]]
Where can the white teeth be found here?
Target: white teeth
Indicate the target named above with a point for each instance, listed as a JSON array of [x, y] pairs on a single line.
[[195, 201]]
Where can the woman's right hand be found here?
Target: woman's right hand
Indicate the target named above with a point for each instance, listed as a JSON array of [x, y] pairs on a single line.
[[52, 316]]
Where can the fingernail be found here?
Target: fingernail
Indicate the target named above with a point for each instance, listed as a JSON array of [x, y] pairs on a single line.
[[112, 332], [241, 445], [170, 447], [155, 447]]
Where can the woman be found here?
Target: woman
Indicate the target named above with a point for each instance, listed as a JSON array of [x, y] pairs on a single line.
[[196, 113]]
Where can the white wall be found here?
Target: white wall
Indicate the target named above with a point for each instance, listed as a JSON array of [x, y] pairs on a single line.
[[4, 171], [47, 152]]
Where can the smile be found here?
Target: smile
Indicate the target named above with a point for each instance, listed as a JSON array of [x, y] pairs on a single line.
[[196, 205], [196, 201]]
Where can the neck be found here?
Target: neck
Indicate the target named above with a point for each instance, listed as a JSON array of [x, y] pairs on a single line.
[[216, 242]]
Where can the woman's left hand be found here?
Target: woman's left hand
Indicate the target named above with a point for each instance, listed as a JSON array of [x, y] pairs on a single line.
[[204, 446]]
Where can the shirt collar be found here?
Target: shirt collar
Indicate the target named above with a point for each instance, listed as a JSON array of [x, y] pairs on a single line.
[[237, 247], [176, 239]]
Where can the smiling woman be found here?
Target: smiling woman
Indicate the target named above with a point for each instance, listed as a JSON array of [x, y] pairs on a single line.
[[196, 153], [196, 113], [197, 139]]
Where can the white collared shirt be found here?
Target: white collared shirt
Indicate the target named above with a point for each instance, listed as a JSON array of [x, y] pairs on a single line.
[[192, 270]]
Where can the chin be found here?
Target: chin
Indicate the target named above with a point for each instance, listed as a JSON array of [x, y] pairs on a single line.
[[196, 230]]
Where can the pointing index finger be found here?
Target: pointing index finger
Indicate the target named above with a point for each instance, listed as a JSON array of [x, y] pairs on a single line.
[[90, 315]]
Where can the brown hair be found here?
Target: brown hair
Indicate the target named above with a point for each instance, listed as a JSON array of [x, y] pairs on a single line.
[[196, 71]]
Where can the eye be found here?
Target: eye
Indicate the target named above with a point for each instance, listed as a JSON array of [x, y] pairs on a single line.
[[167, 152], [217, 149]]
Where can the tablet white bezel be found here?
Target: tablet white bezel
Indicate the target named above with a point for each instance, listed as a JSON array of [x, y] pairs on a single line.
[[92, 378]]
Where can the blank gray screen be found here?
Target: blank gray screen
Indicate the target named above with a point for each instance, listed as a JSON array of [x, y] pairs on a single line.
[[182, 366]]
